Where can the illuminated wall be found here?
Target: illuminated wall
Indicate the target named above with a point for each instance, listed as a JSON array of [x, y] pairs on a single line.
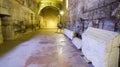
[[1, 38], [14, 15], [50, 18], [50, 21]]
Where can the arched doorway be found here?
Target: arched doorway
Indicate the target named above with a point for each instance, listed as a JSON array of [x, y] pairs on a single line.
[[50, 17]]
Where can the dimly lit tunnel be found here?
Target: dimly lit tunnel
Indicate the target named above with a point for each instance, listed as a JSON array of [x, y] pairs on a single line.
[[50, 17], [59, 33]]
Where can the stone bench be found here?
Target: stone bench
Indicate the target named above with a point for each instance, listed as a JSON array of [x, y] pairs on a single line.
[[70, 34], [101, 47], [77, 42]]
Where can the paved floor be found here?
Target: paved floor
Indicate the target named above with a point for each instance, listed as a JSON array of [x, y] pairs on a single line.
[[44, 48]]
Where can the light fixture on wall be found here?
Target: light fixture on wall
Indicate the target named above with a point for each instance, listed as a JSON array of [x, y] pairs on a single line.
[[61, 13]]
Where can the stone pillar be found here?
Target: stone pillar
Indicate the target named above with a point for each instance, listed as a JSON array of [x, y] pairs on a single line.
[[1, 37], [7, 28]]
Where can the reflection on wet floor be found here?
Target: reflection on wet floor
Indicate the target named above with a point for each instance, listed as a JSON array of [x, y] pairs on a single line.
[[43, 49]]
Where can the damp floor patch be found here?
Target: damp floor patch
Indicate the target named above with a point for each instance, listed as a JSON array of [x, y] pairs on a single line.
[[44, 42]]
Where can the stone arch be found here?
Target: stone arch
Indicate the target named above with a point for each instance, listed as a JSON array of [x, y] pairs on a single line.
[[50, 17], [52, 7]]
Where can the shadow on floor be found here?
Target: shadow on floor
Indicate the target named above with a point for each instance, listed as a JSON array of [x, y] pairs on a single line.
[[9, 45]]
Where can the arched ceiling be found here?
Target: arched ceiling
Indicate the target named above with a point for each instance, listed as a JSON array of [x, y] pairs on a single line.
[[49, 0], [54, 3], [49, 9]]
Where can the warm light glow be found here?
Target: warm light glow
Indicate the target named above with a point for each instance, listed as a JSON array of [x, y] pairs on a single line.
[[51, 24], [61, 0], [61, 12], [67, 4]]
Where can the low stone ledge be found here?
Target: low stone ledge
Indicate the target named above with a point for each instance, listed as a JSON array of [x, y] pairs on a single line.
[[101, 47], [70, 34], [77, 42]]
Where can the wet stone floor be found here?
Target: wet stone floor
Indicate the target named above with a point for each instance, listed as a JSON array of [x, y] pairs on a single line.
[[41, 49]]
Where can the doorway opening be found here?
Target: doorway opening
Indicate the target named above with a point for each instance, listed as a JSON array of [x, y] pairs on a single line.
[[50, 17]]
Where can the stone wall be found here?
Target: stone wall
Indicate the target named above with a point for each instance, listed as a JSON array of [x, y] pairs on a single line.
[[93, 13], [1, 36], [16, 18], [75, 11]]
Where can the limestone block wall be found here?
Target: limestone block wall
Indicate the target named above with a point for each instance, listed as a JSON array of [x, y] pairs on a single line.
[[7, 28], [102, 14], [74, 14], [1, 36], [16, 18], [3, 9], [93, 13]]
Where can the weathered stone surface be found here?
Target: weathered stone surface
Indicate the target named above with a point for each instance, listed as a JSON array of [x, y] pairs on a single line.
[[70, 34], [77, 42], [109, 25], [15, 14], [101, 47], [3, 8], [1, 37], [92, 10]]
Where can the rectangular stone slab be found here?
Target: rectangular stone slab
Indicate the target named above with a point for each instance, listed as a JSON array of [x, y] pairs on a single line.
[[77, 42], [101, 47], [70, 34]]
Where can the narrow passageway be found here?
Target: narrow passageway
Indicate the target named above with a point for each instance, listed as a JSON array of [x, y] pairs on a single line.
[[31, 33], [44, 48]]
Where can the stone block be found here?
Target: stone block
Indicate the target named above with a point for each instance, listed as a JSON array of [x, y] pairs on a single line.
[[109, 25], [77, 42], [101, 47], [4, 11], [1, 38], [70, 34], [8, 32]]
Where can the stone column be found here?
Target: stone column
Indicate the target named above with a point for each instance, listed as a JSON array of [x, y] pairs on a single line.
[[7, 28], [1, 37]]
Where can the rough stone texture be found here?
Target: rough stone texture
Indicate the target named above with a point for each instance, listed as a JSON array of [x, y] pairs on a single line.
[[77, 42], [1, 36], [7, 28], [93, 12], [16, 14], [70, 34], [101, 47], [3, 9]]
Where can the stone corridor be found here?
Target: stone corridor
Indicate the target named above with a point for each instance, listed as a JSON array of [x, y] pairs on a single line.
[[43, 48], [29, 33]]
